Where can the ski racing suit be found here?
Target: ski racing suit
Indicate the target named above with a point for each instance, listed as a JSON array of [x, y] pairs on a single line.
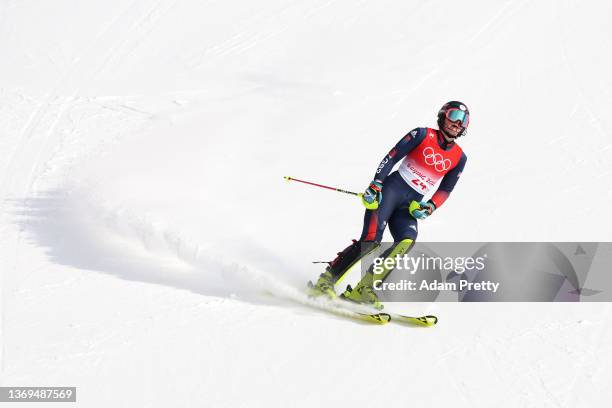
[[427, 160]]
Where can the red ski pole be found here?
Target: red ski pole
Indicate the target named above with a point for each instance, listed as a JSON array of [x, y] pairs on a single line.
[[322, 186]]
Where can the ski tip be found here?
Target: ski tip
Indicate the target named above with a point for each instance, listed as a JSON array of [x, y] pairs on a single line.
[[428, 321], [378, 318], [423, 321], [382, 318], [431, 320]]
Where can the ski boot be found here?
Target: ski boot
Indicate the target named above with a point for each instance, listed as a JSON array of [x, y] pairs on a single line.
[[363, 293], [323, 287]]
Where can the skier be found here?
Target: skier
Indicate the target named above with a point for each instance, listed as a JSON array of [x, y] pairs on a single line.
[[429, 155]]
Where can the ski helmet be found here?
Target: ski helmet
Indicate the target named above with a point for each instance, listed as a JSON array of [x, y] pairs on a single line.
[[454, 111]]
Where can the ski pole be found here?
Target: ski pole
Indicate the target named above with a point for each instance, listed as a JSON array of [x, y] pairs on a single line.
[[322, 186]]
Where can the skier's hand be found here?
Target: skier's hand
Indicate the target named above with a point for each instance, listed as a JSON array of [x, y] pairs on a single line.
[[372, 197], [421, 209]]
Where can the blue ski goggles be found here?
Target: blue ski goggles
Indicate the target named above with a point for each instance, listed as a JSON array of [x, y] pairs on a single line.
[[457, 114]]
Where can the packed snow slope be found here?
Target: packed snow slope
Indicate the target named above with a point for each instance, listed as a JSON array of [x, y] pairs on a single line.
[[152, 255]]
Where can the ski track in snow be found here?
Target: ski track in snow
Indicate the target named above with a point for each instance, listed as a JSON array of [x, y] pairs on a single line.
[[161, 241]]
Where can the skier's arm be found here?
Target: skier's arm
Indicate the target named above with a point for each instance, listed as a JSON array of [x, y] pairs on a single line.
[[448, 182], [373, 194], [423, 209], [401, 149]]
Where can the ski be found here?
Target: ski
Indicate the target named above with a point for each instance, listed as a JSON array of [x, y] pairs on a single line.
[[338, 308], [341, 309], [421, 321], [359, 311], [379, 318]]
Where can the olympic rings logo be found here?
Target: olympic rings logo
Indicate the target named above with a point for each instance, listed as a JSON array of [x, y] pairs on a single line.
[[435, 159]]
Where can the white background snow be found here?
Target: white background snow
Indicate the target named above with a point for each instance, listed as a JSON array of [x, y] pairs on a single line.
[[142, 149]]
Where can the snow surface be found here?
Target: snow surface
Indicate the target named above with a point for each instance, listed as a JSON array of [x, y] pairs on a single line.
[[142, 149]]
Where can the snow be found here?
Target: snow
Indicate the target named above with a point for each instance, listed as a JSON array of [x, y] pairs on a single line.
[[142, 149]]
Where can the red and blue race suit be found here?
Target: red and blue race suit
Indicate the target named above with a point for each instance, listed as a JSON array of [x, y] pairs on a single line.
[[426, 160]]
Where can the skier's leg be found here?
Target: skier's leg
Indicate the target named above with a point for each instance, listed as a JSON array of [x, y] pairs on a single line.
[[339, 267], [374, 224], [404, 230]]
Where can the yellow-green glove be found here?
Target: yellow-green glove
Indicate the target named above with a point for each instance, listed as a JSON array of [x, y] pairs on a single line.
[[372, 197], [421, 209]]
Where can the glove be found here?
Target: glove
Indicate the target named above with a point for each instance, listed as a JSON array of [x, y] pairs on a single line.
[[421, 209], [372, 197]]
